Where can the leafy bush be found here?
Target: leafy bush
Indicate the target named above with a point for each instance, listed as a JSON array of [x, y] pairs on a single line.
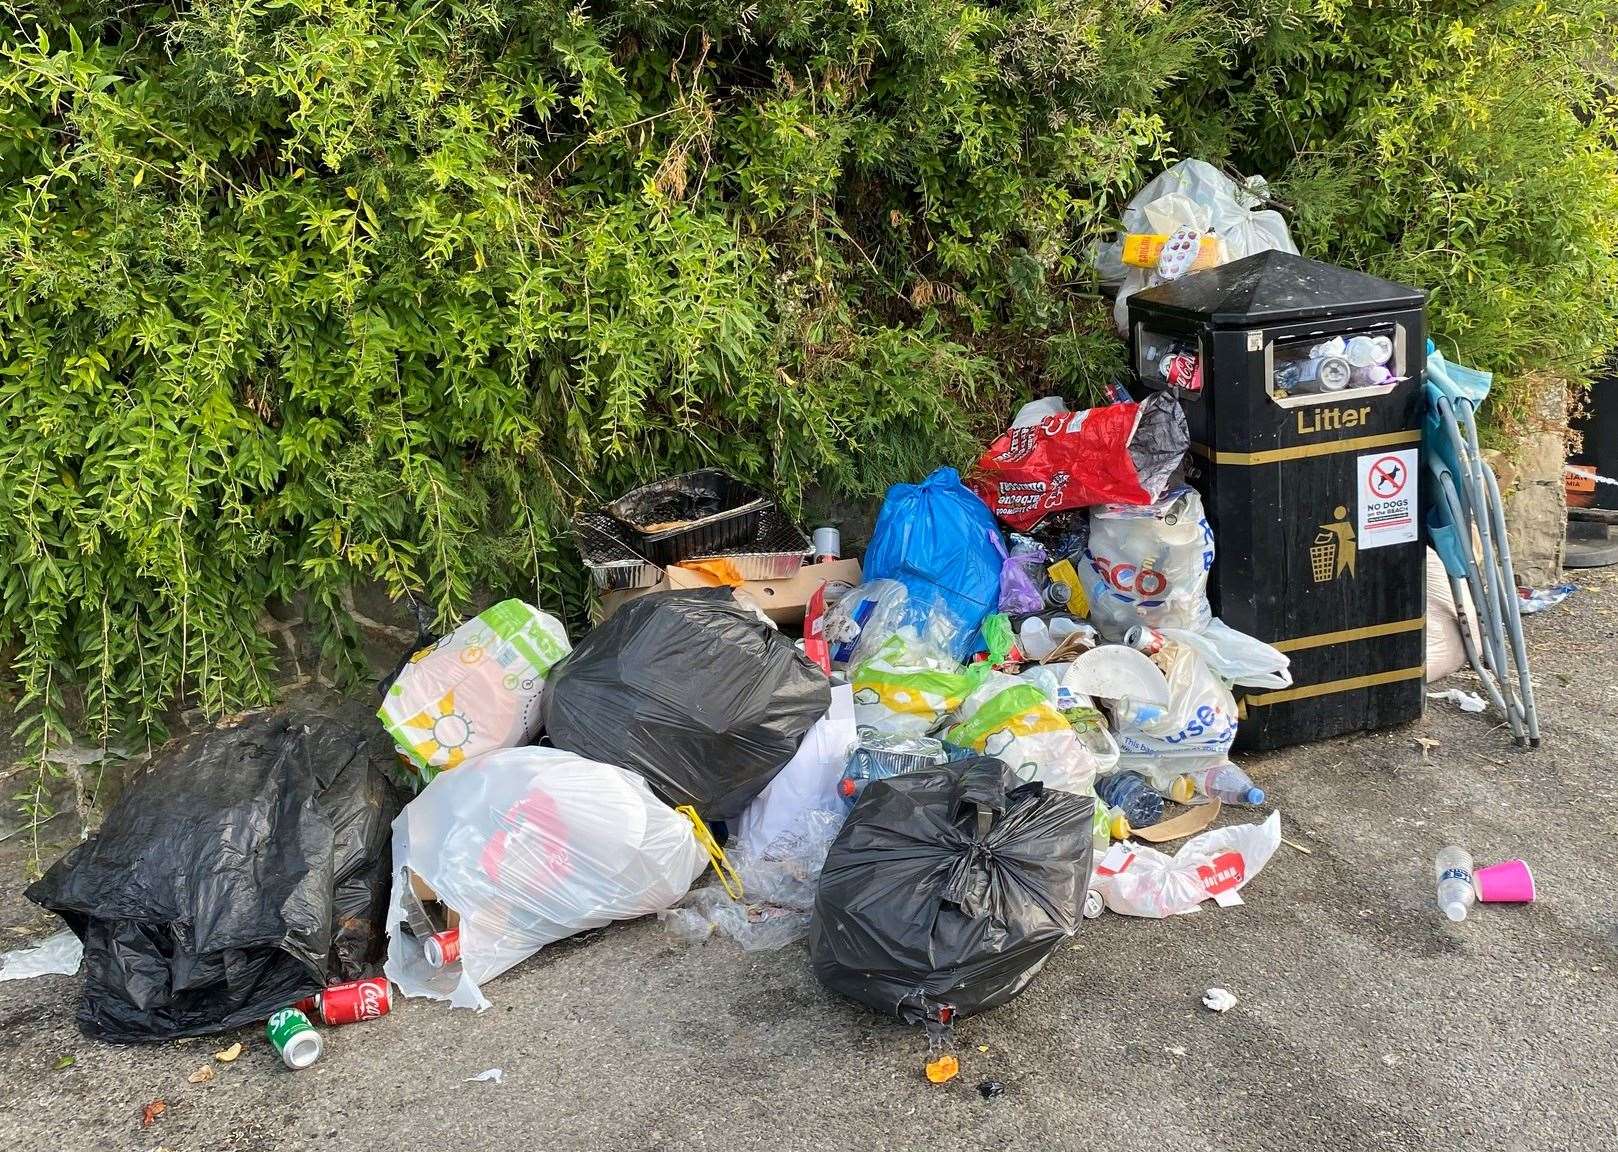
[[304, 292]]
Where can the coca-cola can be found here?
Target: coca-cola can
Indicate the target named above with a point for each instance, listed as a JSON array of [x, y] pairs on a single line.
[[356, 1000], [309, 1005], [1179, 370], [442, 948]]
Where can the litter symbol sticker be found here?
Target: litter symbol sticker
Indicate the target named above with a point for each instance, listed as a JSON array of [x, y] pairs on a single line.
[[1387, 499]]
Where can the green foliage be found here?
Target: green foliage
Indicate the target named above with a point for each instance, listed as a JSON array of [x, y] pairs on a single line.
[[300, 293]]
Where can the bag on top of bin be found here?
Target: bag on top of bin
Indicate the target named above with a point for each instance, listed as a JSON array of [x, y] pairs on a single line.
[[1015, 722], [939, 541], [1137, 880], [529, 846], [697, 693], [1149, 565], [1117, 454], [1193, 194], [949, 887], [1194, 731], [244, 869], [476, 689]]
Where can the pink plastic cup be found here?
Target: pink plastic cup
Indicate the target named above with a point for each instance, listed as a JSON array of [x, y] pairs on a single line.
[[1509, 882]]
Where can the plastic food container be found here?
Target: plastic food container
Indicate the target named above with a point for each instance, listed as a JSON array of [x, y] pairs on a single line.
[[702, 513]]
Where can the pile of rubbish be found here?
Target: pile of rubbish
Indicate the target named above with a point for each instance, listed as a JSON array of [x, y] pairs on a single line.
[[933, 762]]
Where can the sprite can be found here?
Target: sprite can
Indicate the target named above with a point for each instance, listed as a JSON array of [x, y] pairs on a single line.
[[294, 1038]]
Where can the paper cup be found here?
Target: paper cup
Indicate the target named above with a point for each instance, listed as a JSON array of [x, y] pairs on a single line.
[[1509, 882]]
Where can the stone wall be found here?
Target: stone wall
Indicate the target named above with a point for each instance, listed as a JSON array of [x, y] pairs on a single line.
[[1533, 496]]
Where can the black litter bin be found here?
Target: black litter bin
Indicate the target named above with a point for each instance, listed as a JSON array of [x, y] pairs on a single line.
[[1306, 451]]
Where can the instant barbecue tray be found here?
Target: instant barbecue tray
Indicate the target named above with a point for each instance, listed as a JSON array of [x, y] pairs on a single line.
[[775, 552]]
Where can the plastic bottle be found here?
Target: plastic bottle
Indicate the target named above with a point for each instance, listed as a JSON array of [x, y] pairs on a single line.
[[1129, 794], [1107, 826], [1035, 639], [1228, 784], [1454, 871], [883, 755]]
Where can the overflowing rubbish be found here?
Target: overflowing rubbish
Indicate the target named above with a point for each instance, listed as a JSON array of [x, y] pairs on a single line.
[[1509, 882], [1219, 1000], [1465, 701], [1466, 526], [1453, 869], [947, 890], [1017, 724], [294, 1038], [1139, 881], [534, 846], [1149, 565], [939, 541], [57, 955], [475, 690], [884, 754], [1532, 600], [1129, 794], [812, 781], [1122, 453], [699, 514], [246, 868], [691, 690]]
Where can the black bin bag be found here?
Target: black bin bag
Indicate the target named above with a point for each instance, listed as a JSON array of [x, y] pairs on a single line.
[[244, 869], [693, 691], [948, 888]]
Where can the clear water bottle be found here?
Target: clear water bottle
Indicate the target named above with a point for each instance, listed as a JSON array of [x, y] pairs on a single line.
[[1455, 891], [1129, 794], [1227, 784], [883, 755]]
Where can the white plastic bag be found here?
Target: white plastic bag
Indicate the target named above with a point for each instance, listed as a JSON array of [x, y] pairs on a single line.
[[1015, 722], [529, 846], [1195, 731], [475, 690], [807, 784], [1149, 564], [1137, 880], [1236, 657], [1194, 194], [57, 955]]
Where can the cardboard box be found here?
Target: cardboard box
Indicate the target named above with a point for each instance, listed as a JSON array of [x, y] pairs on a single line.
[[783, 601]]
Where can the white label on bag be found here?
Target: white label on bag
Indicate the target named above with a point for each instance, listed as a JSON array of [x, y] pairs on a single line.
[[1387, 499]]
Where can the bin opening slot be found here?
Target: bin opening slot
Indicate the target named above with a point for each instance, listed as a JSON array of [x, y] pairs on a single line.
[[1319, 368]]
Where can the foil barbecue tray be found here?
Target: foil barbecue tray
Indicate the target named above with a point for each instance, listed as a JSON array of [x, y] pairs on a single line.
[[776, 552]]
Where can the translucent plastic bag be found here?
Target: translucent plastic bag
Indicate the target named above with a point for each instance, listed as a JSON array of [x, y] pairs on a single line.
[[1194, 194], [879, 601], [530, 846], [1016, 723], [807, 784], [476, 690], [1149, 565], [1236, 657], [1136, 880], [1195, 730], [907, 687], [1022, 578]]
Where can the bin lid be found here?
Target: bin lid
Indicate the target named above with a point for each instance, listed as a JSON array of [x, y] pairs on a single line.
[[1273, 288]]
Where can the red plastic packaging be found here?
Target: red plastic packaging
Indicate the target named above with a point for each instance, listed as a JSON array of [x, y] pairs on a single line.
[[1070, 460]]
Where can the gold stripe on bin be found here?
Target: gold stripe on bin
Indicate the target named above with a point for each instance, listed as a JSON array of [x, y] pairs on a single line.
[[1347, 635], [1332, 687], [1304, 451]]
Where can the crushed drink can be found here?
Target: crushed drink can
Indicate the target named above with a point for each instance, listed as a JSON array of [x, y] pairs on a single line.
[[356, 1000], [442, 949], [294, 1038]]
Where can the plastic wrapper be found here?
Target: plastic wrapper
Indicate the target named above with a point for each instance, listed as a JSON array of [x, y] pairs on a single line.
[[1121, 453], [693, 691], [529, 846], [475, 690], [245, 869], [808, 783], [884, 602], [939, 541], [1196, 728], [1017, 724], [1136, 880], [58, 955], [948, 888], [1022, 578], [1149, 565], [1194, 194]]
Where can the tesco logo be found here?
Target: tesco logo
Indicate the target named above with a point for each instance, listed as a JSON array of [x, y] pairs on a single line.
[[1132, 579]]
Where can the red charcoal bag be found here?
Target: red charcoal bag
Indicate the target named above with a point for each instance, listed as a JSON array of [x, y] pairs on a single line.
[[1070, 460]]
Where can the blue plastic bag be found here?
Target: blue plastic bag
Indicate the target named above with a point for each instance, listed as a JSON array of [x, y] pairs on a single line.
[[941, 542]]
